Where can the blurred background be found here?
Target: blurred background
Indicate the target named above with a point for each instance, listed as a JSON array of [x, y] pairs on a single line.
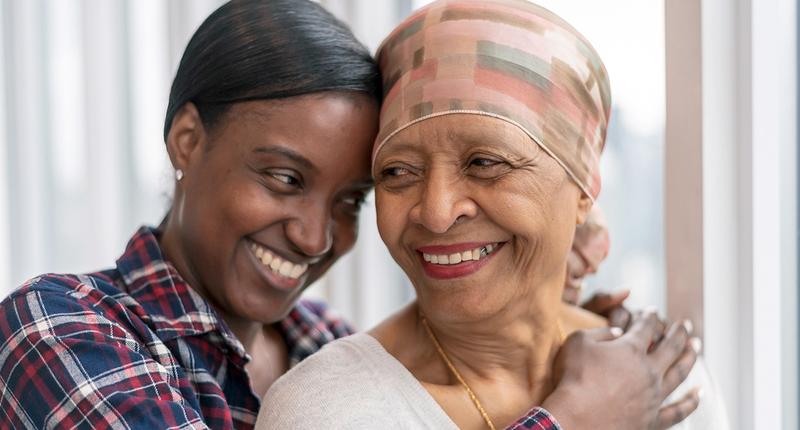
[[83, 164]]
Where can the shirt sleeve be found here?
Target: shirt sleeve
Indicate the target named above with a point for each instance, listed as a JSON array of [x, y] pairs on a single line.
[[536, 419], [65, 365]]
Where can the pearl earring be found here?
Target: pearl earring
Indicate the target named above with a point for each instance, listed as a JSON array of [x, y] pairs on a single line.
[[178, 174]]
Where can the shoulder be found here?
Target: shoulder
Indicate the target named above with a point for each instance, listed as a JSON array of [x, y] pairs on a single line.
[[53, 310], [309, 326], [325, 316], [57, 294], [339, 383]]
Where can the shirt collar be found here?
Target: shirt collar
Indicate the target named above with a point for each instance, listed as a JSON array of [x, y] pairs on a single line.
[[169, 303]]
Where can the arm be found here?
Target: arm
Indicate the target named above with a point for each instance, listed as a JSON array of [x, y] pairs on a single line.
[[62, 364]]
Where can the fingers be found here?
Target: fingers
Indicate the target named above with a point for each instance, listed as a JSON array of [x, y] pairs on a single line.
[[603, 334], [680, 370], [620, 317], [604, 303], [678, 411], [670, 348], [643, 329]]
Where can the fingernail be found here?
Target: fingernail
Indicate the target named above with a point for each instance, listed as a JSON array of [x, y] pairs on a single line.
[[687, 324], [651, 310], [616, 331], [700, 393], [696, 344]]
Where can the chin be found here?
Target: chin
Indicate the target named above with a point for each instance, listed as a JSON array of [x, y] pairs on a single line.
[[264, 309], [461, 303]]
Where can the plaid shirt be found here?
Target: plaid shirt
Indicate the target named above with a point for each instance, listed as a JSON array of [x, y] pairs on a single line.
[[136, 348]]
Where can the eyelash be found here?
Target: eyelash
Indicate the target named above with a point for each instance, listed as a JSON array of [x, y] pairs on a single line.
[[489, 161], [392, 171]]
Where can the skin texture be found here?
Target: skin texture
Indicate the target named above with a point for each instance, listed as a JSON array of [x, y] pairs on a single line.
[[473, 179], [289, 175], [456, 179]]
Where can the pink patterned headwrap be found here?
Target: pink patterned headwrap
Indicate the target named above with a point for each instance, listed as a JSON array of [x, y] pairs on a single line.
[[507, 59]]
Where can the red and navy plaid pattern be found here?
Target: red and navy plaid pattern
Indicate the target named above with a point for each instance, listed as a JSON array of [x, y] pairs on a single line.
[[132, 348], [537, 419]]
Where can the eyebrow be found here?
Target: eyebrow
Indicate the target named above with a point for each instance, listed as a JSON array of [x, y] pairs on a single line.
[[286, 152]]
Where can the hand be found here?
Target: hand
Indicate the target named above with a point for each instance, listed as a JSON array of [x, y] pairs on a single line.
[[610, 306], [608, 380]]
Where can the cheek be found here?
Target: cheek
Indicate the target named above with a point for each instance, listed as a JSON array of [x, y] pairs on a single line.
[[392, 217], [344, 236], [247, 207]]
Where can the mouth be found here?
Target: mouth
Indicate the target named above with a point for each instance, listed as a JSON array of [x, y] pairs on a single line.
[[278, 271], [456, 261]]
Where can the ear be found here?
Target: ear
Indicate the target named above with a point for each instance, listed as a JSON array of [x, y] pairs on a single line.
[[186, 137], [584, 206]]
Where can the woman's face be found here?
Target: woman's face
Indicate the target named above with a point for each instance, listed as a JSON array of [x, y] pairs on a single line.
[[478, 216], [270, 199]]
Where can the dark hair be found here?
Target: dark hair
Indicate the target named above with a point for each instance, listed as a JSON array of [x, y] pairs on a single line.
[[268, 49]]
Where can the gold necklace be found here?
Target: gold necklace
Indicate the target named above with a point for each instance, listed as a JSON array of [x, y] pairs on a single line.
[[458, 376], [461, 380]]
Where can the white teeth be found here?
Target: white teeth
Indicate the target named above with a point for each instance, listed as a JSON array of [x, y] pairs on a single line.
[[277, 264], [456, 258], [298, 270], [286, 268]]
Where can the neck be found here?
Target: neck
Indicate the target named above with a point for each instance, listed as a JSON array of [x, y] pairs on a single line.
[[514, 346], [244, 329]]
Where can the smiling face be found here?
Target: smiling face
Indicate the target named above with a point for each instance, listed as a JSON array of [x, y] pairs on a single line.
[[478, 216], [269, 199]]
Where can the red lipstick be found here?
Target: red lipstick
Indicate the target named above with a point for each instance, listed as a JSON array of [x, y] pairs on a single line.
[[452, 271]]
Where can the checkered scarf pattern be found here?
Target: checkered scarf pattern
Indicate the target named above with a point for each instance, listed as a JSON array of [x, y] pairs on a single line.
[[507, 59]]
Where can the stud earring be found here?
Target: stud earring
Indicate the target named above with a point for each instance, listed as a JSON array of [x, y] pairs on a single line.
[[178, 174]]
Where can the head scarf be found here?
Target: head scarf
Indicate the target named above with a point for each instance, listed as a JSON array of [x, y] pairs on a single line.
[[507, 59]]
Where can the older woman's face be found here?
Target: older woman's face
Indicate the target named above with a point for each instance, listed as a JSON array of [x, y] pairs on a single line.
[[476, 213]]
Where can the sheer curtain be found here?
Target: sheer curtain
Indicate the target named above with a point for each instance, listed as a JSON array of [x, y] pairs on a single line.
[[82, 159]]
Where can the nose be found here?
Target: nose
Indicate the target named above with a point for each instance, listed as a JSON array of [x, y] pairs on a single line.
[[312, 231], [443, 202]]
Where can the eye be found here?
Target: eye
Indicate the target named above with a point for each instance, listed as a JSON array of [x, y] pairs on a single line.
[[355, 200], [282, 180], [395, 171], [286, 179], [485, 167], [483, 162]]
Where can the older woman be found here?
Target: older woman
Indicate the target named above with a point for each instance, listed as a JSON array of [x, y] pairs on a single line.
[[494, 118]]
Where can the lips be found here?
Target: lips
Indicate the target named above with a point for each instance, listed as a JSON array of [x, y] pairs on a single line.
[[458, 260]]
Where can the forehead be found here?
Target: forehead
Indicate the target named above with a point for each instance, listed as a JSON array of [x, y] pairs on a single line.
[[320, 123], [460, 131]]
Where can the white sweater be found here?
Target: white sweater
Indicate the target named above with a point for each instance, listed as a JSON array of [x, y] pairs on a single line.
[[353, 383]]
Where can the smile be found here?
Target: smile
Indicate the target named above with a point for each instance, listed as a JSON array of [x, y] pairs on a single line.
[[277, 265], [456, 261], [458, 257]]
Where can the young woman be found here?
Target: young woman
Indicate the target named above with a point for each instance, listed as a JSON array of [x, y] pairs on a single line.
[[271, 119]]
